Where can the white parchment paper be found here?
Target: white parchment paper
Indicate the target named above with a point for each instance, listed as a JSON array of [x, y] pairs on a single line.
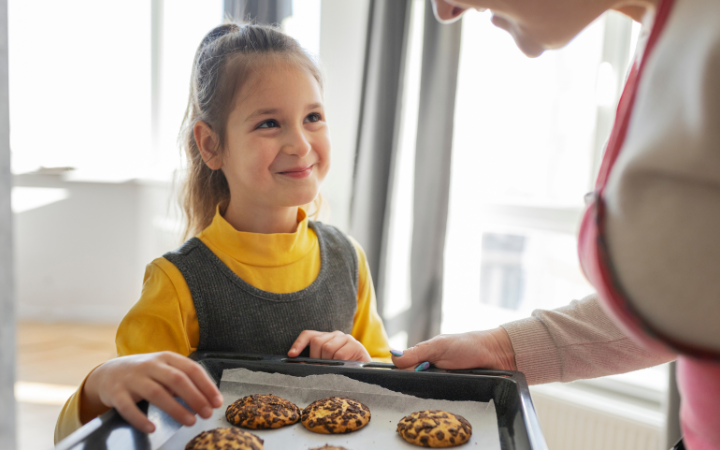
[[387, 408]]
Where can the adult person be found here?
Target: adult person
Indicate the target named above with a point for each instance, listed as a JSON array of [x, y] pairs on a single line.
[[648, 241]]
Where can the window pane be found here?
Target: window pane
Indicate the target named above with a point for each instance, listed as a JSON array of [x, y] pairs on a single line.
[[524, 128], [523, 141], [494, 275], [304, 24], [79, 83], [183, 25]]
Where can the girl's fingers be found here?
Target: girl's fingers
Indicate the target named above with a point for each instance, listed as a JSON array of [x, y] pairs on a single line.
[[127, 408], [330, 347], [176, 381], [156, 394], [353, 351], [302, 341], [316, 344], [201, 380]]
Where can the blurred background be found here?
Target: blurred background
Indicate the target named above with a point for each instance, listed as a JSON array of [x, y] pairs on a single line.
[[458, 163]]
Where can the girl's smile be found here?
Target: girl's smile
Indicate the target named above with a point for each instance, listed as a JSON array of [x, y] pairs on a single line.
[[298, 172]]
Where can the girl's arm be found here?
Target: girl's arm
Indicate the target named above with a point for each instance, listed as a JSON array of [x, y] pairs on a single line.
[[367, 341], [163, 320], [368, 327]]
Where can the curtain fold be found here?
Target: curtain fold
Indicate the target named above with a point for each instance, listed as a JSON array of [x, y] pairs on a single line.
[[673, 432], [388, 24], [266, 12], [438, 85]]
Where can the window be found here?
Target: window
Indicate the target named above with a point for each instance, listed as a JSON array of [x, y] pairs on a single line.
[[529, 134], [528, 138], [103, 89], [100, 88], [79, 79], [304, 24], [178, 26]]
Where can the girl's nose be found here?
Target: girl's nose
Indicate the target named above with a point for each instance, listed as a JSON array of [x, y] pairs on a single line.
[[297, 144], [445, 12]]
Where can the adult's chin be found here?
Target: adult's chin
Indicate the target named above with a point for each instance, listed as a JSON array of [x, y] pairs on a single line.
[[526, 44]]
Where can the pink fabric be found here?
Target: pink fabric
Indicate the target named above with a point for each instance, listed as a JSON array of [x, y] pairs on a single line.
[[699, 385]]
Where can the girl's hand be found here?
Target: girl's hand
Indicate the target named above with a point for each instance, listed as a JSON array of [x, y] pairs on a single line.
[[156, 377], [335, 345], [490, 349]]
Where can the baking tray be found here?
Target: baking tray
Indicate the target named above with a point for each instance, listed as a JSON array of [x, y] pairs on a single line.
[[518, 425]]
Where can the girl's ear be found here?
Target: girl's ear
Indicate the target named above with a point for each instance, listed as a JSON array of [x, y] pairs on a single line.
[[207, 142]]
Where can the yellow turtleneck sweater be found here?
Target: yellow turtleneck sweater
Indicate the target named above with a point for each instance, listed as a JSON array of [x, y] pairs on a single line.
[[164, 319]]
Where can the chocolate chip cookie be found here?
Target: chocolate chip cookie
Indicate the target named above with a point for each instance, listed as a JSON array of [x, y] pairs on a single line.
[[225, 439], [435, 429], [262, 411], [334, 415]]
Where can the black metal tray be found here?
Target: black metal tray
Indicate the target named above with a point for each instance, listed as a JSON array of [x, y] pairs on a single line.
[[518, 425]]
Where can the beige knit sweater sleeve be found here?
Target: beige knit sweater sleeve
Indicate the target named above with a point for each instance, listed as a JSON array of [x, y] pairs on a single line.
[[574, 342]]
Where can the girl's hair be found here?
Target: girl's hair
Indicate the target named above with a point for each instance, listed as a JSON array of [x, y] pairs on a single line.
[[223, 62]]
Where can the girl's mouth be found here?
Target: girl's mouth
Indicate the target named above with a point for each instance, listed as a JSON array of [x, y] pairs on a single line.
[[298, 172]]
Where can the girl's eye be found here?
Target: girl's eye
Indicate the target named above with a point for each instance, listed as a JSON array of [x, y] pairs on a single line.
[[313, 117], [269, 124]]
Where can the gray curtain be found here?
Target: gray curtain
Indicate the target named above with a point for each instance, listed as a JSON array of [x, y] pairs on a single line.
[[7, 308], [258, 11], [441, 56], [388, 23], [376, 153], [673, 432]]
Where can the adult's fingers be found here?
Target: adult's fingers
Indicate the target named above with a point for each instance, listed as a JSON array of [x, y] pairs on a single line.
[[158, 395], [127, 408], [428, 351], [201, 380], [302, 341], [176, 381]]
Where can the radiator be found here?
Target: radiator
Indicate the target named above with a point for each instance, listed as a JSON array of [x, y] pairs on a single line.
[[574, 419]]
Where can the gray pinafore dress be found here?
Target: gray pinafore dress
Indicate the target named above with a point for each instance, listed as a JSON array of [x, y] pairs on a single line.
[[237, 317]]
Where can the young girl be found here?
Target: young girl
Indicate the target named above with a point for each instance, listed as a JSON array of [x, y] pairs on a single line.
[[259, 276]]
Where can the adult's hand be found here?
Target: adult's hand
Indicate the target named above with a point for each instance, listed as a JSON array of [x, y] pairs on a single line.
[[490, 349]]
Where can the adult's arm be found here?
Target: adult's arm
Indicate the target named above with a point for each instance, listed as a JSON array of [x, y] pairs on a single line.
[[575, 342], [565, 344]]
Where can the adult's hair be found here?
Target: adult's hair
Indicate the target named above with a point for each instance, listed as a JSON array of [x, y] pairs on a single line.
[[223, 62]]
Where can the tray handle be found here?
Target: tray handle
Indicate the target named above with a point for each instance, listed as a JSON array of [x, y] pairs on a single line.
[[199, 356]]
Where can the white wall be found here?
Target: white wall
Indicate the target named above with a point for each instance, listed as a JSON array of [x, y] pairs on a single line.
[[83, 258]]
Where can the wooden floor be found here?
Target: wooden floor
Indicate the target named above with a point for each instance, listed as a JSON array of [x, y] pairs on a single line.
[[52, 360]]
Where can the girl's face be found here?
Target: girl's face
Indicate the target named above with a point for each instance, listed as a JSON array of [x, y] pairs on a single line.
[[539, 25], [278, 149]]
